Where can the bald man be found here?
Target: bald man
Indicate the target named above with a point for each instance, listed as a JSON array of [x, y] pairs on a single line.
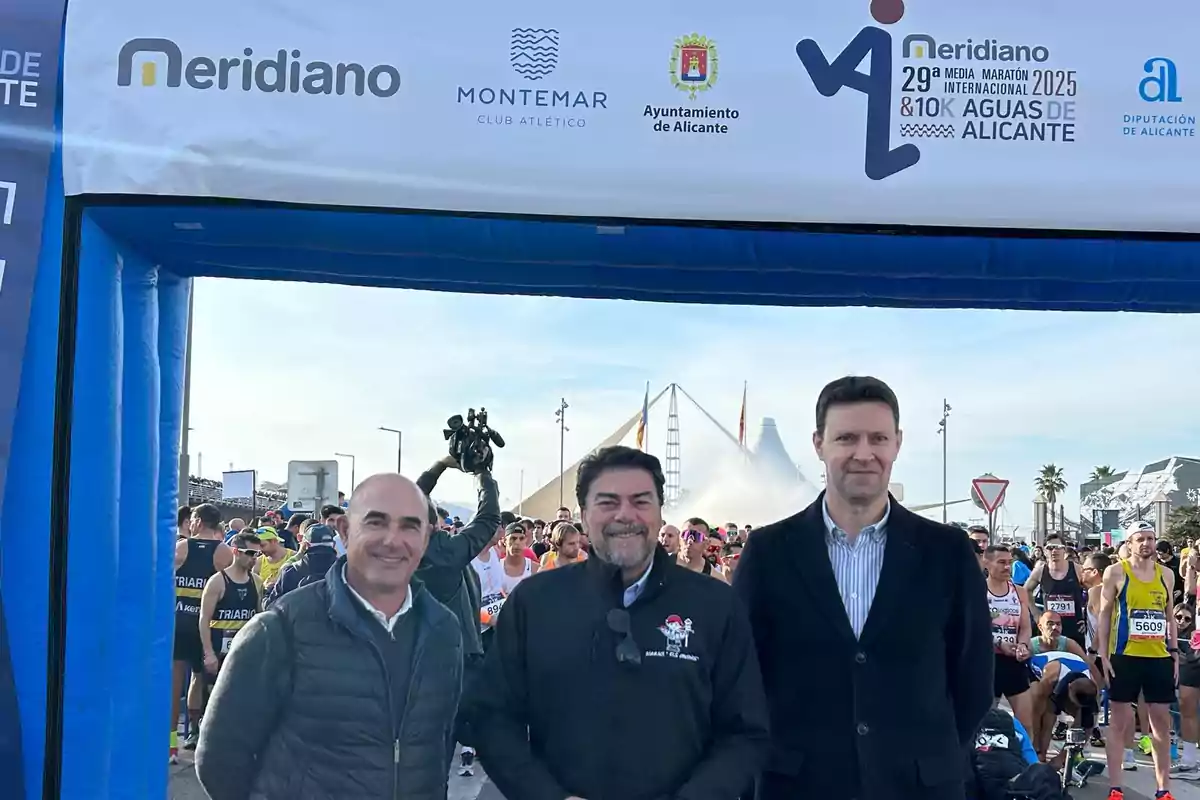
[[668, 537], [235, 527], [331, 678]]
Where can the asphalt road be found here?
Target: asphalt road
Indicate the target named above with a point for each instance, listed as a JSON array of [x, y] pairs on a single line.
[[1139, 785]]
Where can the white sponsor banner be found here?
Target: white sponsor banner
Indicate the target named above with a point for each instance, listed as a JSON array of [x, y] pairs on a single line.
[[1026, 113], [237, 485]]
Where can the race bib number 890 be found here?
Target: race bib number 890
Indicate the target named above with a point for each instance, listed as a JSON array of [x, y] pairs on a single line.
[[1145, 625]]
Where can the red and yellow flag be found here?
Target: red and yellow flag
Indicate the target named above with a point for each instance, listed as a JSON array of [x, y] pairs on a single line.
[[742, 419], [644, 422]]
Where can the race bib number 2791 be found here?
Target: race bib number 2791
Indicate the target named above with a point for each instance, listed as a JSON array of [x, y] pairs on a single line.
[[1063, 605]]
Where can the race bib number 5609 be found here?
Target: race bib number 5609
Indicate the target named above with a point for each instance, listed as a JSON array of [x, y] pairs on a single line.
[[1145, 625]]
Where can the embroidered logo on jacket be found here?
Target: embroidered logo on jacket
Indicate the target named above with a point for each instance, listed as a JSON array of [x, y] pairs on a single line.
[[677, 631]]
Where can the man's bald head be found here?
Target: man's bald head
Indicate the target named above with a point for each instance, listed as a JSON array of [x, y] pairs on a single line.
[[668, 537], [390, 482]]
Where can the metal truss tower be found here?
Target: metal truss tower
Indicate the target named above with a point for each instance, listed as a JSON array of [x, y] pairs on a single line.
[[674, 488]]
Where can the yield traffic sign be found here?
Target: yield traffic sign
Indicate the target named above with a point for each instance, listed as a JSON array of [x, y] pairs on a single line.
[[990, 491]]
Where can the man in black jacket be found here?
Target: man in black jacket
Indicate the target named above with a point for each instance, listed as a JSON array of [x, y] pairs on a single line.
[[318, 557], [446, 566], [346, 689], [665, 700], [871, 623]]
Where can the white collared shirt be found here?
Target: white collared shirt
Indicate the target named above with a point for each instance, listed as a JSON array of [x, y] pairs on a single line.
[[388, 623], [635, 591]]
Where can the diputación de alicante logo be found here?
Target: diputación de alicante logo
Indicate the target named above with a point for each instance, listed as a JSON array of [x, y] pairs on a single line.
[[693, 69], [1163, 110], [976, 89], [535, 98]]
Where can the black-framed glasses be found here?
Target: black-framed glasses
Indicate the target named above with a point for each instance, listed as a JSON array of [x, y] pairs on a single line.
[[627, 650]]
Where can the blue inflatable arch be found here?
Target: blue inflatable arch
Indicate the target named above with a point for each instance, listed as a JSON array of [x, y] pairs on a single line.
[[103, 384], [95, 446]]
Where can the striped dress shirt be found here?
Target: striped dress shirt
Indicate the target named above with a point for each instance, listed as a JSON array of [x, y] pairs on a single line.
[[856, 565]]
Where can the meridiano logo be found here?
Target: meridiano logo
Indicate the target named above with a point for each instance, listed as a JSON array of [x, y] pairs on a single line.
[[921, 45], [279, 74]]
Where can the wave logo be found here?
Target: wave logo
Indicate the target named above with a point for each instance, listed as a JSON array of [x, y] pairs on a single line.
[[874, 46], [533, 52]]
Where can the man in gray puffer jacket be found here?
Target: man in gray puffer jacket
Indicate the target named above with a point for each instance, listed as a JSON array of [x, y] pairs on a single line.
[[346, 689]]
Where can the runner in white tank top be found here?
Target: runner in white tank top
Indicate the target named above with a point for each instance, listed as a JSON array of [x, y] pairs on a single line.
[[489, 566], [515, 561], [510, 582], [1006, 616], [1011, 634]]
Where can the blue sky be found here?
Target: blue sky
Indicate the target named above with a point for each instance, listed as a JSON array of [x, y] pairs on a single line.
[[301, 371]]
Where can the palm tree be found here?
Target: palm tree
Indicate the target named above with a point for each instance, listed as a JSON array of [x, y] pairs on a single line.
[[1050, 483], [1100, 474]]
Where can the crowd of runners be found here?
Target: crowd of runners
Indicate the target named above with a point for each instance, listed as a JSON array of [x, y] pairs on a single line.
[[1080, 636], [1136, 602], [1106, 627]]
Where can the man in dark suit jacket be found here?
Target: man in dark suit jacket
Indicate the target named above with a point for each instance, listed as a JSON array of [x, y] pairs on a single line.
[[871, 624]]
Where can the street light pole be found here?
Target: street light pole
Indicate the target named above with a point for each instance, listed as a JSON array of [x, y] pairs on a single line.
[[942, 432], [561, 420], [352, 464], [399, 445]]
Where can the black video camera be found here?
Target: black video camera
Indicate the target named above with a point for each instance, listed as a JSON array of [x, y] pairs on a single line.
[[471, 441]]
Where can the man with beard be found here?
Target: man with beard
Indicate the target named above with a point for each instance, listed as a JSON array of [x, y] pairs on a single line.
[[671, 702], [887, 608]]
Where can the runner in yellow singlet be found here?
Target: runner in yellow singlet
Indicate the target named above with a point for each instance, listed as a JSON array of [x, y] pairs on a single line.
[[1137, 634]]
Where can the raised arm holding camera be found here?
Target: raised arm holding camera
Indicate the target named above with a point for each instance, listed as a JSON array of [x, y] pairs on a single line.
[[446, 566]]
